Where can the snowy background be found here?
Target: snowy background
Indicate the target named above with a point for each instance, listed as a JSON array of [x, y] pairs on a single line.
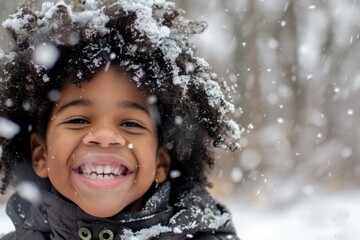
[[295, 66]]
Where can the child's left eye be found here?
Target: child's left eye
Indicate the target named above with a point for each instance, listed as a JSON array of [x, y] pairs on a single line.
[[131, 124]]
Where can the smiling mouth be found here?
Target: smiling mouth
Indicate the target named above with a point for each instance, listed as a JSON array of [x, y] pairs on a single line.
[[102, 171]]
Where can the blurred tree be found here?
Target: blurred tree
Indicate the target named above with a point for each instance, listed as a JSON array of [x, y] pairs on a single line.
[[294, 66]]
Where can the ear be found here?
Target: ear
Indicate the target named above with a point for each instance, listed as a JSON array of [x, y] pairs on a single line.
[[38, 150], [163, 164]]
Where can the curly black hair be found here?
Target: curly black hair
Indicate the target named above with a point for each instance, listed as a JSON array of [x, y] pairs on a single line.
[[149, 41]]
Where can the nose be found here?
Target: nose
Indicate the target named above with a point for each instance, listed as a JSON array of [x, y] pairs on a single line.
[[104, 137]]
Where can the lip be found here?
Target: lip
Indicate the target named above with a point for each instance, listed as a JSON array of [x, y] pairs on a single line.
[[103, 180]]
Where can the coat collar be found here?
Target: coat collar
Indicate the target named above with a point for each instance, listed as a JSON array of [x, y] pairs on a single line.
[[193, 210]]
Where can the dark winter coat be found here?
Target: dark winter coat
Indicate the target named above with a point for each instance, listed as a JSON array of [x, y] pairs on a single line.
[[193, 215]]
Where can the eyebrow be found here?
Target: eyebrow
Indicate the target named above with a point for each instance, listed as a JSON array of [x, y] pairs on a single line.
[[86, 102], [77, 102], [134, 105]]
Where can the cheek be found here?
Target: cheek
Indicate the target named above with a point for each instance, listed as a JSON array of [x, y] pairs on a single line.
[[58, 152], [146, 159]]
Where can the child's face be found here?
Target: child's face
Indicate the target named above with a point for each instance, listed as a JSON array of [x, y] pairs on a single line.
[[101, 150]]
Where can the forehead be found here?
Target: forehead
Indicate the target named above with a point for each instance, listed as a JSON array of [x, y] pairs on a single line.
[[105, 85]]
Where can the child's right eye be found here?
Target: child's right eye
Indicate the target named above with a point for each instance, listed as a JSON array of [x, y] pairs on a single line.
[[77, 121]]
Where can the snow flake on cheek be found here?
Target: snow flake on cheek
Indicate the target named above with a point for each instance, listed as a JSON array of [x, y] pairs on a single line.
[[131, 146]]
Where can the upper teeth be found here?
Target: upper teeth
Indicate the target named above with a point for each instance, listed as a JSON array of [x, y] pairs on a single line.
[[100, 169]]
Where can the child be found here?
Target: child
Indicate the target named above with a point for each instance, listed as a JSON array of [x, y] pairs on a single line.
[[107, 112]]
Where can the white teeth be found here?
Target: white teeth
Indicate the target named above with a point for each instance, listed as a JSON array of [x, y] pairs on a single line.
[[116, 170], [94, 171], [106, 177], [107, 169], [99, 169]]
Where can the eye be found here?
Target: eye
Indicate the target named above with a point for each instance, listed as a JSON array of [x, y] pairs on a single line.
[[79, 121], [131, 124]]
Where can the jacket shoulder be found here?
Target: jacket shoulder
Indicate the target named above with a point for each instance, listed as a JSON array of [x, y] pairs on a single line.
[[30, 234]]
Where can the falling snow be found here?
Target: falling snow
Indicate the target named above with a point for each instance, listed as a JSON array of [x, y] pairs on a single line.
[[8, 129], [306, 133], [46, 55]]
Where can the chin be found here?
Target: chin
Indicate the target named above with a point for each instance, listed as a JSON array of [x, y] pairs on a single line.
[[101, 213]]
